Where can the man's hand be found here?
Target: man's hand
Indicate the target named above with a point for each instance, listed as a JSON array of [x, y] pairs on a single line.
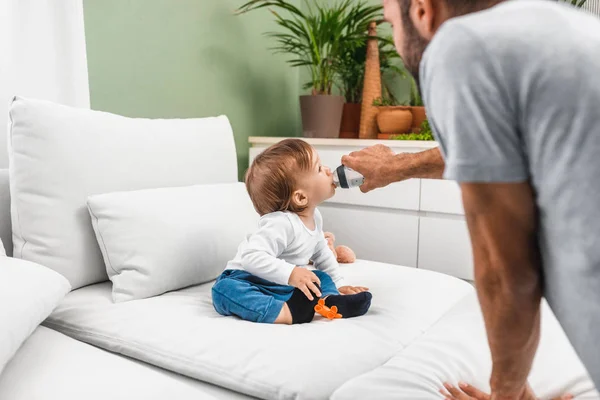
[[352, 289], [468, 392], [380, 166], [304, 279], [374, 163]]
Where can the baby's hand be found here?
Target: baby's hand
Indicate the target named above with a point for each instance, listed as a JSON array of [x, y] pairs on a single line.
[[352, 289], [304, 279]]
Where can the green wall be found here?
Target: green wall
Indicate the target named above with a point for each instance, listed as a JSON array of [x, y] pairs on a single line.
[[190, 58], [195, 58]]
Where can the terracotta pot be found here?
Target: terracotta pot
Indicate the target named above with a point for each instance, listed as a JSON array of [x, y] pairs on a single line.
[[350, 121], [419, 116], [321, 115], [394, 119]]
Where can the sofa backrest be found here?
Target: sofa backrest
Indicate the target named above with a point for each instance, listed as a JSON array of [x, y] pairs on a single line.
[[59, 156], [5, 225]]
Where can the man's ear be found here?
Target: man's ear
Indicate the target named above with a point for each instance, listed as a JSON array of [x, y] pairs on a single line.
[[424, 14], [299, 199]]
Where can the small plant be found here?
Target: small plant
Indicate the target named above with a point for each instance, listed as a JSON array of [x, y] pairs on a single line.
[[426, 128], [425, 134], [383, 102], [413, 136]]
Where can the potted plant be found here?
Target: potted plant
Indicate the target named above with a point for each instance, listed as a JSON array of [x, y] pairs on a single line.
[[392, 119], [351, 80], [351, 70], [316, 38]]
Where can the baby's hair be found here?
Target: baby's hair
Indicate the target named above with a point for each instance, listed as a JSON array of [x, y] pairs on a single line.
[[273, 176]]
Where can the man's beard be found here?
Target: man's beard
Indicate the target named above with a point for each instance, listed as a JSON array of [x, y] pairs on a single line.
[[414, 47]]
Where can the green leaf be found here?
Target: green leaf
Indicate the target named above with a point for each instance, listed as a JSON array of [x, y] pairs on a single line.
[[325, 38]]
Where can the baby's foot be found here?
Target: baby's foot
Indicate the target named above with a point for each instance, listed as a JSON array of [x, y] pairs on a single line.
[[301, 308], [350, 305]]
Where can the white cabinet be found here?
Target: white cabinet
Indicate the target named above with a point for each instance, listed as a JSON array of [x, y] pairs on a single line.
[[374, 234], [416, 223], [444, 246], [442, 196]]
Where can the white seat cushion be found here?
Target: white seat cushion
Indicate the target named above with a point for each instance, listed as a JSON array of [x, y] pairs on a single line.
[[181, 331], [61, 155], [52, 366], [455, 349]]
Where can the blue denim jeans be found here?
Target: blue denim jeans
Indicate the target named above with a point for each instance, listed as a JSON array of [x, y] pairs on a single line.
[[251, 298]]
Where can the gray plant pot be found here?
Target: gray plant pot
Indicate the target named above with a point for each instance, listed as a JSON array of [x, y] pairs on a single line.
[[321, 115]]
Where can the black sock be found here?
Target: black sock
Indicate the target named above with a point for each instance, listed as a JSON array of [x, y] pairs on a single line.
[[301, 308], [351, 305]]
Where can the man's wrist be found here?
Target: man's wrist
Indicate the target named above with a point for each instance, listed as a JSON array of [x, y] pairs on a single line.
[[505, 388], [400, 169]]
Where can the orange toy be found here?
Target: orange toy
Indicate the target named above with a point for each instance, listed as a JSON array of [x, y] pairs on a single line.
[[329, 313]]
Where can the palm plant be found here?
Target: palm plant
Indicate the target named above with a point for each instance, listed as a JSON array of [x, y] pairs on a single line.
[[351, 68], [320, 37]]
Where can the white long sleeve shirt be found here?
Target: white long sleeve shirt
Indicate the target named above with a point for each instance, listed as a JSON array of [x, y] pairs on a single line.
[[281, 243]]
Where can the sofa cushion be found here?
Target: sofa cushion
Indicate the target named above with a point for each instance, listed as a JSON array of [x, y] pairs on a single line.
[[182, 332], [5, 225], [28, 294], [61, 155], [158, 240], [456, 349]]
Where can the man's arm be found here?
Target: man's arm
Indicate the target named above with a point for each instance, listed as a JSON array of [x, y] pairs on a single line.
[[502, 220], [381, 166], [426, 164]]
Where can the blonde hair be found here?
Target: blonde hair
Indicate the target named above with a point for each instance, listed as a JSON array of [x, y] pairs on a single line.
[[273, 176]]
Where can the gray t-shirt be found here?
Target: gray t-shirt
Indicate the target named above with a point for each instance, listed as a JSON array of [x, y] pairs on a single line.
[[513, 94]]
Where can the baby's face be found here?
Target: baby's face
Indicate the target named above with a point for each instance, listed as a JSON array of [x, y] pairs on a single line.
[[318, 182]]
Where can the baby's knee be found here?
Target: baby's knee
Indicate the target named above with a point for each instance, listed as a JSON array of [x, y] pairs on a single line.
[[327, 285]]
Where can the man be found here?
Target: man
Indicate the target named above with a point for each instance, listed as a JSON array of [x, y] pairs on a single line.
[[513, 95]]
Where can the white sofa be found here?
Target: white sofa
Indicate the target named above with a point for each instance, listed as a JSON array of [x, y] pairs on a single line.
[[424, 328]]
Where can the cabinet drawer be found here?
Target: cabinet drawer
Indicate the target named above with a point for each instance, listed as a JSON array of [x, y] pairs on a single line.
[[403, 195], [377, 235], [444, 246], [441, 196]]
